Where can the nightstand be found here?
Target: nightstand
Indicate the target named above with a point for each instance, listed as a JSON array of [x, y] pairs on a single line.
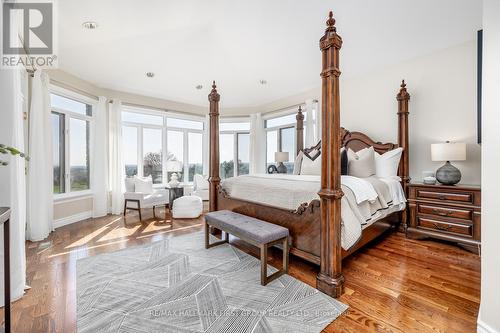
[[451, 213]]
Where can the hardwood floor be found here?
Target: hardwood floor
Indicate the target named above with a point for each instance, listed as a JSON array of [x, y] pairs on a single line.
[[395, 285]]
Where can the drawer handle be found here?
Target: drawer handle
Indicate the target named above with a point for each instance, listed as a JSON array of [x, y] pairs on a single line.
[[440, 212], [442, 197], [442, 227]]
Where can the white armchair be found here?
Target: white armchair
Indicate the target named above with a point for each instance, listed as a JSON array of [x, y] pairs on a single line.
[[200, 187], [139, 200]]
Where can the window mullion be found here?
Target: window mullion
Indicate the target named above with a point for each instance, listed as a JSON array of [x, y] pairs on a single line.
[[139, 152], [164, 153], [185, 167], [67, 166]]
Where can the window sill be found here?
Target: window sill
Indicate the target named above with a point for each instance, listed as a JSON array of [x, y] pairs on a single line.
[[65, 197]]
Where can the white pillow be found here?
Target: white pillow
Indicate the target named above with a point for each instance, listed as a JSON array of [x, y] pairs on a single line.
[[387, 164], [298, 163], [143, 184], [361, 163], [201, 183], [310, 167], [129, 184]]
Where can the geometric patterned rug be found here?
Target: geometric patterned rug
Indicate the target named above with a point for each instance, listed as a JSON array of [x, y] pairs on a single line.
[[176, 285]]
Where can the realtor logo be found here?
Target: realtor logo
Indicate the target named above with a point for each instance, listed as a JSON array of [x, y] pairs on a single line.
[[28, 34]]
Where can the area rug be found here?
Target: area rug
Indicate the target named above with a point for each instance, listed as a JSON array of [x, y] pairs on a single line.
[[175, 285]]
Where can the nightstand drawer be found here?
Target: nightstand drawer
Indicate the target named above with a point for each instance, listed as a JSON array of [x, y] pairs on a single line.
[[441, 226], [459, 213], [462, 197]]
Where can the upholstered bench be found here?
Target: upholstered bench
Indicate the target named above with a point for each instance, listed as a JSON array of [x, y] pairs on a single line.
[[254, 231]]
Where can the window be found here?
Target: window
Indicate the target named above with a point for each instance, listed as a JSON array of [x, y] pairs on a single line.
[[130, 150], [58, 152], [243, 153], [175, 144], [281, 136], [157, 144], [195, 156], [71, 121], [234, 143], [152, 154]]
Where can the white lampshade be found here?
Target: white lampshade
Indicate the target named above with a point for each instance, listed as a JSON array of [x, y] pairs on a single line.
[[281, 156], [448, 151], [174, 166]]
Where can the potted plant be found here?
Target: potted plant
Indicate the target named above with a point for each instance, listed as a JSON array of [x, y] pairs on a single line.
[[12, 151]]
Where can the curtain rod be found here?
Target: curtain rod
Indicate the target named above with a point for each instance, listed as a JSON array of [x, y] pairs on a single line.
[[147, 107], [72, 88]]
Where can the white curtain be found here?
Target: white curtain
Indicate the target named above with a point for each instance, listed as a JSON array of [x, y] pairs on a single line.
[[13, 179], [116, 166], [100, 159], [257, 144], [40, 171], [312, 123]]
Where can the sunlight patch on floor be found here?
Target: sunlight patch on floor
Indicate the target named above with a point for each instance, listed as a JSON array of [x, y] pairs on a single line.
[[118, 232]]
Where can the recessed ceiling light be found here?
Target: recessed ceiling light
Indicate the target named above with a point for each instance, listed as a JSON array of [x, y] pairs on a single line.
[[263, 82], [150, 74], [199, 87], [91, 25]]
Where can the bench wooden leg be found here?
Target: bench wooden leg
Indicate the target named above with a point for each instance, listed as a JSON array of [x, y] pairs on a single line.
[[263, 264], [264, 279], [207, 238], [285, 255]]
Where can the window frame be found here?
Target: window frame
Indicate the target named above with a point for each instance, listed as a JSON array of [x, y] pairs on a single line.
[[68, 115], [165, 128], [280, 128], [235, 138]]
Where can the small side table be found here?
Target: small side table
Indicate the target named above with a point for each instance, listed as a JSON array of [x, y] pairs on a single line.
[[4, 219], [174, 193]]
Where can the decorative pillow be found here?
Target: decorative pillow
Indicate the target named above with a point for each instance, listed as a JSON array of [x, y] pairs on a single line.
[[343, 161], [200, 182], [129, 184], [298, 162], [143, 184], [313, 154], [386, 165], [362, 163], [310, 167]]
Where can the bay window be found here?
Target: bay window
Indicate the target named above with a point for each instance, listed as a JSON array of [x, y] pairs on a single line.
[[281, 137], [158, 144], [71, 120], [234, 147]]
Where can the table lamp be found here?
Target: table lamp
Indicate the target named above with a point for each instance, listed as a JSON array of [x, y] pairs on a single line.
[[448, 174], [280, 157], [174, 166]]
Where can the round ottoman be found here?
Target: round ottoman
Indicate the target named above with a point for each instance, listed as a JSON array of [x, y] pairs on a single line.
[[187, 207]]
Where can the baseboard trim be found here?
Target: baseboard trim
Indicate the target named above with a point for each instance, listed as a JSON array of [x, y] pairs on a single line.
[[482, 327], [72, 219]]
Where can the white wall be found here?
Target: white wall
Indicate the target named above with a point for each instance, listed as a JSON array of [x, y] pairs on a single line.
[[489, 314]]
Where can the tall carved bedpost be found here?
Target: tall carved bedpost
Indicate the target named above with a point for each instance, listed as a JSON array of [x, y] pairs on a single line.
[[330, 280], [300, 130], [403, 98], [214, 178]]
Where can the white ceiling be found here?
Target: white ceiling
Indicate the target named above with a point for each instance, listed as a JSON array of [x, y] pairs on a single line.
[[238, 43]]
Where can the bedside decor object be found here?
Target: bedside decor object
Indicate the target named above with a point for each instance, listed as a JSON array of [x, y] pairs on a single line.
[[272, 169], [428, 177], [429, 180], [280, 157], [451, 213], [175, 167], [448, 174]]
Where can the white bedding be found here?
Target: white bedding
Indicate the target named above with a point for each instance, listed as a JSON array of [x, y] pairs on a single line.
[[366, 201]]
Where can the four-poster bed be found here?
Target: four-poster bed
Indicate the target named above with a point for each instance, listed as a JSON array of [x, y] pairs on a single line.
[[315, 226]]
